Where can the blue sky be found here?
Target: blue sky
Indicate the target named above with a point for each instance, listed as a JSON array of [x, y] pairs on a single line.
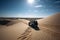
[[22, 8]]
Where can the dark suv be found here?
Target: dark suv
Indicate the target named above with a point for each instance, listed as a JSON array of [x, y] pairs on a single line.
[[34, 25]]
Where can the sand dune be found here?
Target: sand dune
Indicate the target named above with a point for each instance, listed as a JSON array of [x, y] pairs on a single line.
[[49, 28], [19, 29], [51, 22], [14, 31]]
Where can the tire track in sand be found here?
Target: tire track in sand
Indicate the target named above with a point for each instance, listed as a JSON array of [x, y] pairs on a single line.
[[26, 35]]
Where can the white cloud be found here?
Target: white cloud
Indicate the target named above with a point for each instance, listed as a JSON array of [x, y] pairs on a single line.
[[38, 6]]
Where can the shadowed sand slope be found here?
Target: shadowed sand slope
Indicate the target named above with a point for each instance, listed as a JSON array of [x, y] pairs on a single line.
[[7, 22]]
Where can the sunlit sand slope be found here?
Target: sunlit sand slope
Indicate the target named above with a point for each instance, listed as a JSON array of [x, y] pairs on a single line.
[[51, 22], [13, 32], [49, 28]]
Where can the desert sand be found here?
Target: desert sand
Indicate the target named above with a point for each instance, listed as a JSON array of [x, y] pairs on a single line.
[[19, 29], [14, 30], [49, 28]]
